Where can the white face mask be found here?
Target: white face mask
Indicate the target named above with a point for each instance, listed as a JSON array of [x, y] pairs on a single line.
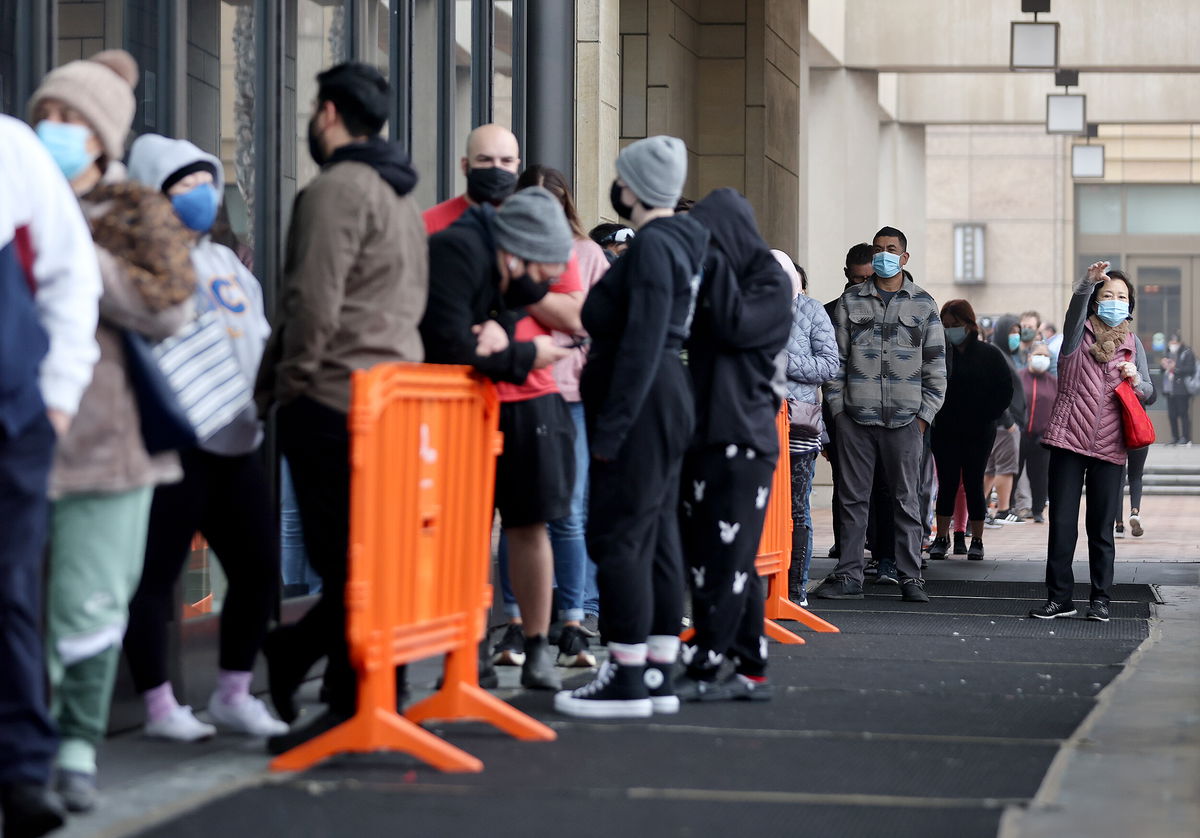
[[1039, 363], [1173, 348]]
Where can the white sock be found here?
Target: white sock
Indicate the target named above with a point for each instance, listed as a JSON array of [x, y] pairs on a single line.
[[628, 654], [662, 648]]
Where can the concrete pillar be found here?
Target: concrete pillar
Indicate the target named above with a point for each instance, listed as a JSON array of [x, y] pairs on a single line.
[[902, 189], [550, 87], [597, 105], [843, 171]]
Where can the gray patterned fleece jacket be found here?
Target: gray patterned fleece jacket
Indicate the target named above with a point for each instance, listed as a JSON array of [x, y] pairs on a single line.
[[893, 357]]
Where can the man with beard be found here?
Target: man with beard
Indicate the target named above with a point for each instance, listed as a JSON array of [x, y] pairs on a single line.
[[354, 289]]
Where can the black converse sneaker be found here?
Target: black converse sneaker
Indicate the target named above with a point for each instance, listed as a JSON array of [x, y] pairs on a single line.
[[657, 678], [618, 692], [1051, 610]]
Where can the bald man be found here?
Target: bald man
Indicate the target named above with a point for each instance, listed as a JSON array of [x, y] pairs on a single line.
[[491, 165]]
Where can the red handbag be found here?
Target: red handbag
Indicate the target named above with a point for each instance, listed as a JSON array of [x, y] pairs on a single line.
[[1139, 430]]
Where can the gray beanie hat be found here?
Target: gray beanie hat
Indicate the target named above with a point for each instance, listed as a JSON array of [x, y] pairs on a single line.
[[532, 226], [655, 169]]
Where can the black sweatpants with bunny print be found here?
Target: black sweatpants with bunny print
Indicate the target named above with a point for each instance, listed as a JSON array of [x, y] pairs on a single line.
[[723, 501]]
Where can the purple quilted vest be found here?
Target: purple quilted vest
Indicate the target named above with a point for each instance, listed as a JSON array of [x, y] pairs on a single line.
[[1087, 416]]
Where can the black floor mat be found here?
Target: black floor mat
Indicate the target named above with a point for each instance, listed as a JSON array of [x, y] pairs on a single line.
[[887, 598], [1031, 590], [859, 622], [299, 812], [1099, 651]]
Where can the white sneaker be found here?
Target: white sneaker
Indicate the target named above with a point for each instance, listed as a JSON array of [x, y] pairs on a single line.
[[181, 726], [249, 716]]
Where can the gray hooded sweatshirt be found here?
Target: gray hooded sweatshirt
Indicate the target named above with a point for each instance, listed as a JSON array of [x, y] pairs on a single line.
[[223, 284]]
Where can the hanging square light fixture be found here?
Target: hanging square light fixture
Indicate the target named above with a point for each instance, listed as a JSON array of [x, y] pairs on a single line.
[[1033, 45], [1066, 113], [1087, 161]]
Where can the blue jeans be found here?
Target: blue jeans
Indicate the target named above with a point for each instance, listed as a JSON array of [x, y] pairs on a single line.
[[296, 568], [803, 469], [574, 573]]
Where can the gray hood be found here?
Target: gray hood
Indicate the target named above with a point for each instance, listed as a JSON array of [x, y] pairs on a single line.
[[154, 158]]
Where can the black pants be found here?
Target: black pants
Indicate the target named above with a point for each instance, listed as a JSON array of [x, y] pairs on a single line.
[[1071, 474], [836, 470], [1135, 467], [724, 504], [1035, 461], [881, 523], [27, 733], [962, 453], [633, 501], [316, 441], [227, 500], [1179, 413]]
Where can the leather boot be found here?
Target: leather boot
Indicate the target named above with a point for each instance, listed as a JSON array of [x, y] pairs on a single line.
[[796, 568]]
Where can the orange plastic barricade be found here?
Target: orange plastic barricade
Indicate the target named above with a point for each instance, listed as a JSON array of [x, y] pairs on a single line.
[[775, 550], [423, 447]]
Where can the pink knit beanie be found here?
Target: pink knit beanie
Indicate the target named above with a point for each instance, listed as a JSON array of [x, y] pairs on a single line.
[[101, 89]]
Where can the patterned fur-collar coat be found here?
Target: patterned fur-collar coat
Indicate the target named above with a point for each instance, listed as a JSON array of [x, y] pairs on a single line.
[[145, 264]]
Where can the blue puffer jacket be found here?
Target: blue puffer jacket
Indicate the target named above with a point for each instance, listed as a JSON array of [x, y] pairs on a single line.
[[812, 352]]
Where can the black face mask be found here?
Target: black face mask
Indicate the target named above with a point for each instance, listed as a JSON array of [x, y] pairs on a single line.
[[314, 144], [523, 291], [491, 185], [614, 196]]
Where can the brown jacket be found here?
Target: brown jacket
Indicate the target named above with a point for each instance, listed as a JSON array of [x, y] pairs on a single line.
[[354, 289], [148, 287]]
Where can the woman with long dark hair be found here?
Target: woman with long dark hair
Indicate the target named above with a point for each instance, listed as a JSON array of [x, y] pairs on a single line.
[[1086, 437], [978, 391]]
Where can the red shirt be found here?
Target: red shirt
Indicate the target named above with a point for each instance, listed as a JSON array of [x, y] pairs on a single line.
[[539, 382], [444, 214]]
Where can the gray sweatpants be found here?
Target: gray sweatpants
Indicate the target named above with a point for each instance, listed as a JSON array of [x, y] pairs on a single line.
[[899, 452]]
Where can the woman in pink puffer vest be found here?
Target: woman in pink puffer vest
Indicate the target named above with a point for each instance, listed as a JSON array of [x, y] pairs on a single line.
[[1085, 435]]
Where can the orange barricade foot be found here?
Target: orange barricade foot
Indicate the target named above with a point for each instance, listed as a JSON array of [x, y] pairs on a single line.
[[777, 632], [784, 609], [378, 730], [469, 702]]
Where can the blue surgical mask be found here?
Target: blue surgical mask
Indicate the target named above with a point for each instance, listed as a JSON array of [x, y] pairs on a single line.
[[1113, 312], [1014, 343], [957, 335], [67, 144], [886, 264], [197, 208]]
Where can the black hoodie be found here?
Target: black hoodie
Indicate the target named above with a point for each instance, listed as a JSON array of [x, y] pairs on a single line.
[[1016, 411], [464, 290], [641, 309], [743, 317], [390, 160]]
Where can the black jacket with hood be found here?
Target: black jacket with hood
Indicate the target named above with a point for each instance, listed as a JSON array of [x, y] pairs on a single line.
[[743, 318], [640, 310], [1016, 413], [464, 290]]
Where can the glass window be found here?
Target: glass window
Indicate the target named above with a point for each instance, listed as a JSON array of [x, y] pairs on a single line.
[[8, 57], [502, 65], [374, 16], [237, 59], [316, 40], [425, 99], [1163, 210], [1098, 209], [463, 122]]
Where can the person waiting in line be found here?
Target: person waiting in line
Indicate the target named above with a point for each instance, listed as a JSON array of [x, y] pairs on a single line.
[[47, 352], [889, 334], [1133, 473], [1004, 463], [1179, 368], [490, 266], [978, 391], [738, 335], [1086, 437], [566, 532], [639, 409], [491, 164], [812, 359], [224, 493], [1053, 341], [613, 238], [1041, 389], [857, 270], [104, 475], [354, 288], [1027, 327]]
